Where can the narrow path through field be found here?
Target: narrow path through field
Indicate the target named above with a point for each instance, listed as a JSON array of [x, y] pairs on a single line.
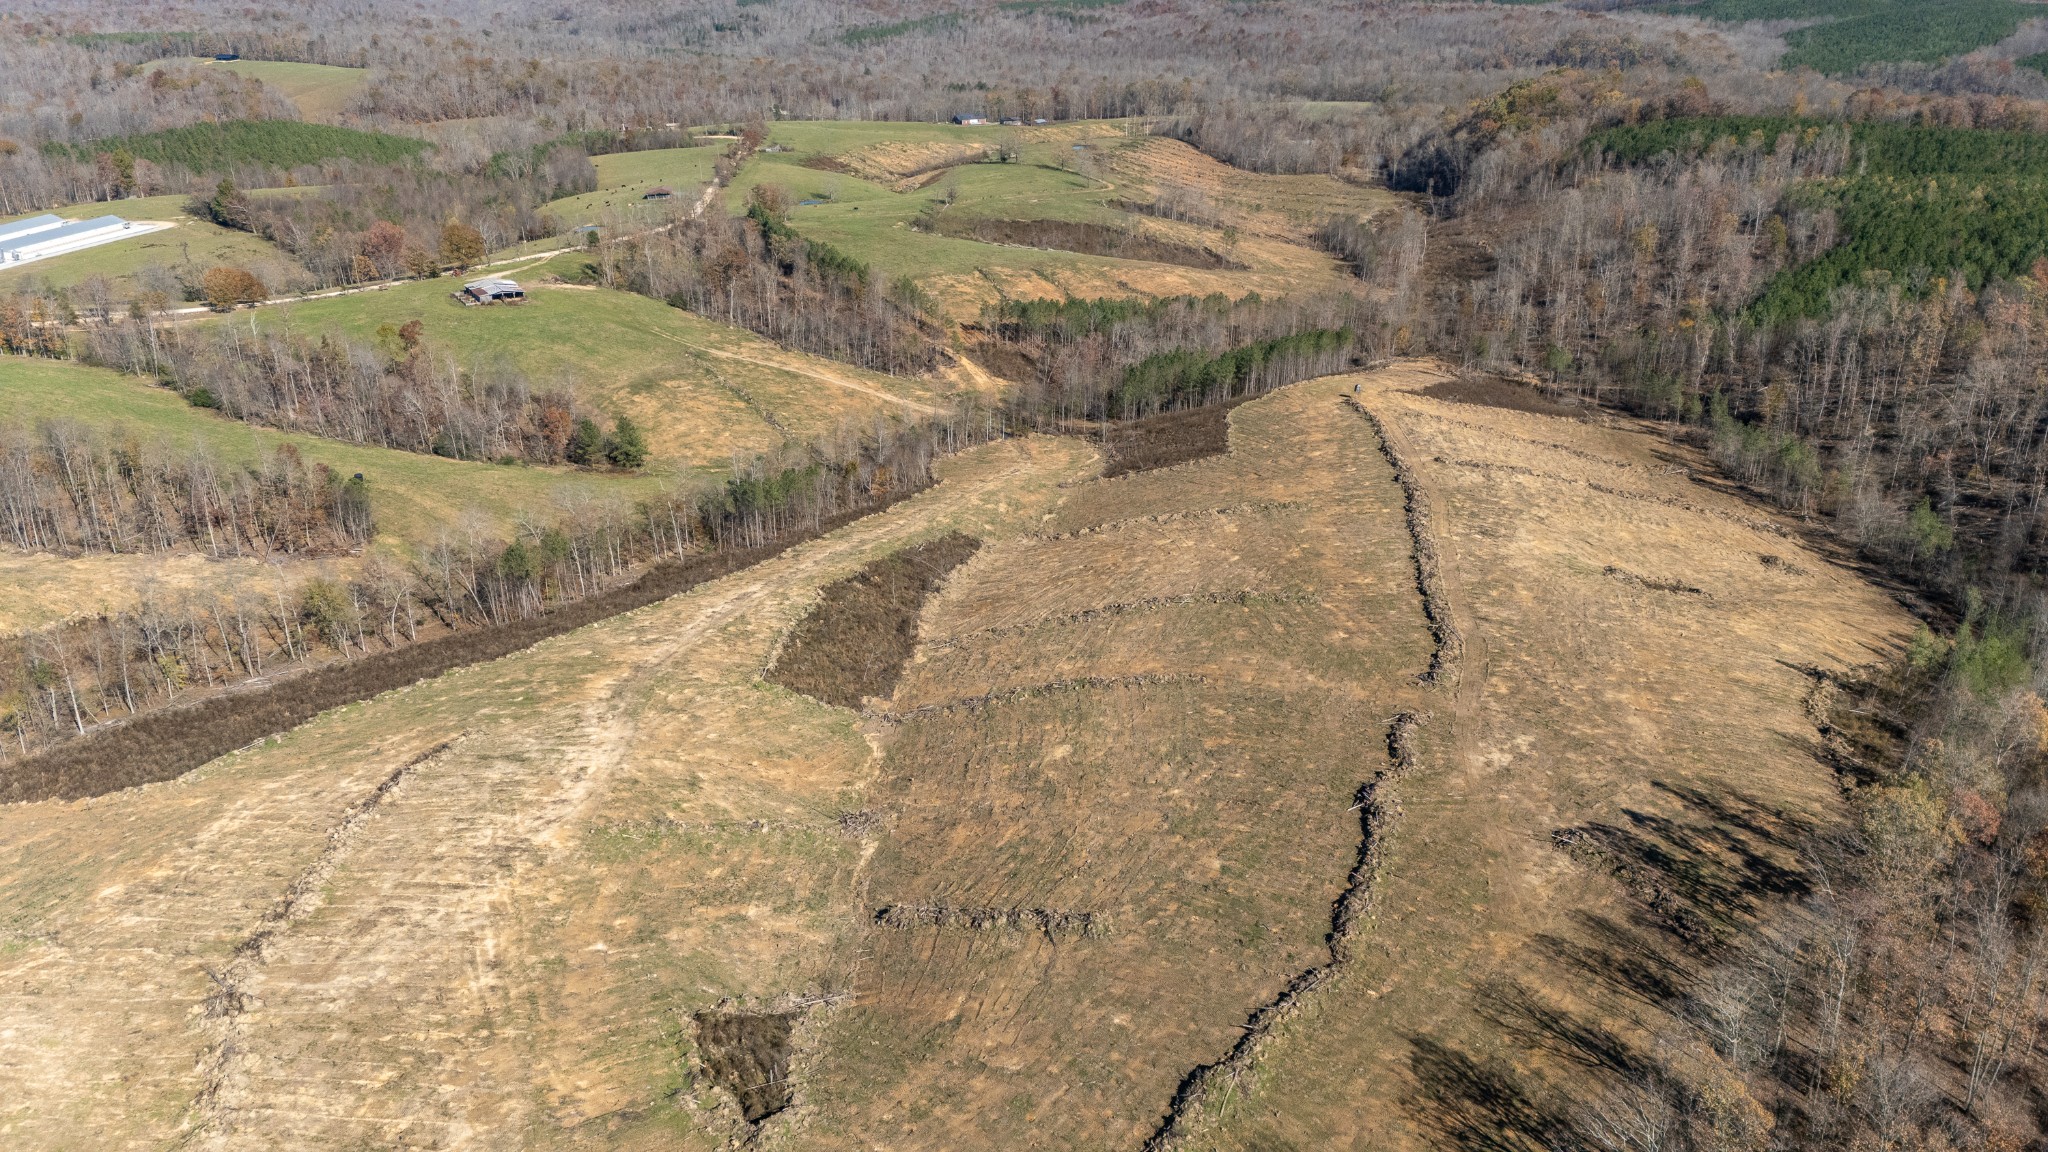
[[814, 371]]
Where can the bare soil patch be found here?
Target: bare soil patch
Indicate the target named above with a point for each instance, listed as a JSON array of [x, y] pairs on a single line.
[[1085, 238], [1499, 392], [855, 642], [747, 1054]]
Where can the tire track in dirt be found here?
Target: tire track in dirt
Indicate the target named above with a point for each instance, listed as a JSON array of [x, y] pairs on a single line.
[[300, 899]]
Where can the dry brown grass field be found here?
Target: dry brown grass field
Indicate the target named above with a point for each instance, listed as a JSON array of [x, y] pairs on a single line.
[[1632, 670], [1097, 829]]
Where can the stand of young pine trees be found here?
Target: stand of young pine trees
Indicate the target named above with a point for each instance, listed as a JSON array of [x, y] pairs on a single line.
[[1115, 359]]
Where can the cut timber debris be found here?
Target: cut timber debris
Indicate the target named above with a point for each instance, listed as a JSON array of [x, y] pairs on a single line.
[[1054, 923], [168, 743], [747, 1054], [1357, 907], [854, 643], [1450, 644]]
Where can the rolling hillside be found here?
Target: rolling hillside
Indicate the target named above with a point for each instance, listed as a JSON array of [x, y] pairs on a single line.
[[1194, 728]]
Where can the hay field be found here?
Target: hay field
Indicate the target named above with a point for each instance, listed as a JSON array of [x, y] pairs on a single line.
[[872, 180], [413, 496], [491, 901], [623, 176], [320, 92], [703, 391]]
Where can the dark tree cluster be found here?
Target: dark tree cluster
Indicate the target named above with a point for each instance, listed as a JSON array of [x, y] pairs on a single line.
[[1091, 360]]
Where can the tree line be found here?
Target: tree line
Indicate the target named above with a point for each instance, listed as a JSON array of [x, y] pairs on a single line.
[[65, 487], [400, 393], [756, 272], [1112, 359], [1896, 1000], [59, 682]]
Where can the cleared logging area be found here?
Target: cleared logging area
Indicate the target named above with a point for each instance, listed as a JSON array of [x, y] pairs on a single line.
[[1167, 439], [167, 744], [855, 642]]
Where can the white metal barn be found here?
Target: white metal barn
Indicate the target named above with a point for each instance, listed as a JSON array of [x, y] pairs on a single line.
[[39, 237]]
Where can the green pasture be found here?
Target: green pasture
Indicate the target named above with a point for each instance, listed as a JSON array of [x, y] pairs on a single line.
[[193, 245], [412, 495], [702, 390], [319, 91]]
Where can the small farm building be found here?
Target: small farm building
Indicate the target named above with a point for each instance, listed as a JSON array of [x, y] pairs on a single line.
[[492, 290], [970, 120], [660, 192]]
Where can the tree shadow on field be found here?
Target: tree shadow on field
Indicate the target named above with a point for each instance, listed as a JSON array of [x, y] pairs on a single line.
[[1700, 875], [1484, 1105], [1693, 877]]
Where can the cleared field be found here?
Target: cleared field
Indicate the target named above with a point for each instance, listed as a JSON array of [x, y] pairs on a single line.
[[702, 391], [1282, 207], [1631, 677], [1157, 715], [871, 182], [1141, 804], [623, 176], [319, 91], [489, 904], [191, 244], [413, 496]]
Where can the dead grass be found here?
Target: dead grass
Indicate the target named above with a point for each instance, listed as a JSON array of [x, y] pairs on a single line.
[[1176, 692], [1286, 208], [1618, 778], [635, 829], [1150, 701]]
